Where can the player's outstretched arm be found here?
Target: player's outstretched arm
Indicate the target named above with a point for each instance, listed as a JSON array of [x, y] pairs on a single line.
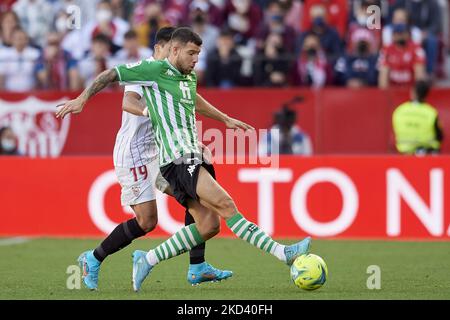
[[76, 105], [132, 104], [208, 110]]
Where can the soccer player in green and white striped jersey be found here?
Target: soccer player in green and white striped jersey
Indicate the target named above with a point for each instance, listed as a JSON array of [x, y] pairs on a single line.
[[171, 106], [136, 163]]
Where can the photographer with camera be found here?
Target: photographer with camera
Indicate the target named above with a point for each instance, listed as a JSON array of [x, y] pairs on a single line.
[[285, 136]]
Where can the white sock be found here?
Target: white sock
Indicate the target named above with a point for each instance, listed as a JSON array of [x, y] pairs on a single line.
[[279, 252], [151, 257]]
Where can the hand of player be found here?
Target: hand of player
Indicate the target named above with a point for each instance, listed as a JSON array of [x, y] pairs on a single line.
[[207, 155], [72, 106], [232, 123]]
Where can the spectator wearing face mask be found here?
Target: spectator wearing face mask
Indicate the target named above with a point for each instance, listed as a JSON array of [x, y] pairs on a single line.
[[327, 35], [8, 142], [400, 16], [403, 62], [273, 63], [358, 67], [106, 24], [312, 68], [273, 23], [427, 16], [336, 12]]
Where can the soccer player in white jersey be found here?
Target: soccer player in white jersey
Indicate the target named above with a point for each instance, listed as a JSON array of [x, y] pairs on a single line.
[[137, 169], [171, 104]]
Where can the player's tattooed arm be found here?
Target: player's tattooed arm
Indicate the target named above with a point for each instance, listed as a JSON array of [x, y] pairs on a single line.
[[77, 105], [100, 82], [208, 110]]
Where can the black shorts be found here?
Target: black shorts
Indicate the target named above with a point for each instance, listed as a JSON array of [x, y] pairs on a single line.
[[182, 176]]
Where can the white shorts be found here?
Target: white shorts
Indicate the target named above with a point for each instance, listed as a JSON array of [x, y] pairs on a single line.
[[138, 184]]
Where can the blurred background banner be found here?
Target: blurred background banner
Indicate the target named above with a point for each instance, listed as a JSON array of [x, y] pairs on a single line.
[[335, 120], [39, 133], [323, 196]]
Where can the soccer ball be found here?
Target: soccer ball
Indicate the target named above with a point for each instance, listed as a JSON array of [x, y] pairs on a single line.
[[309, 272]]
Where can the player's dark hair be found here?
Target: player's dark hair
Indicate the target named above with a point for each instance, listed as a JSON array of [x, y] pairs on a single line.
[[185, 35], [164, 35], [422, 88]]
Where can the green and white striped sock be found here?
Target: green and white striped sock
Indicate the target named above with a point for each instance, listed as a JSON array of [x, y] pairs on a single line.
[[182, 241], [251, 233]]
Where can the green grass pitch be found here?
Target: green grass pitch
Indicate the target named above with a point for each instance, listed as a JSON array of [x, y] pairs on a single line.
[[409, 270]]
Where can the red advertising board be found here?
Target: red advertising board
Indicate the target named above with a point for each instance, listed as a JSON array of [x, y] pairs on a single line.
[[339, 121], [343, 197]]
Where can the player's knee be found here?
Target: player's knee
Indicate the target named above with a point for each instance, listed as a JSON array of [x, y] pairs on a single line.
[[209, 227], [226, 207], [211, 231], [147, 224], [214, 226]]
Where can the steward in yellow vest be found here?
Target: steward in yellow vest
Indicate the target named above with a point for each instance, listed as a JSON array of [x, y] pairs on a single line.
[[416, 124]]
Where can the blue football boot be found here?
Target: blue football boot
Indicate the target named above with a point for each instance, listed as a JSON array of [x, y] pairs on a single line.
[[141, 268], [294, 251], [204, 272], [90, 266]]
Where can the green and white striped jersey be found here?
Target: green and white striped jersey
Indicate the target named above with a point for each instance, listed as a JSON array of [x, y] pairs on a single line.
[[170, 97]]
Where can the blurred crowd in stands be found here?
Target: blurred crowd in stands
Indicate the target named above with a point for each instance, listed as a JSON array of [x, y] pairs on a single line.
[[64, 44]]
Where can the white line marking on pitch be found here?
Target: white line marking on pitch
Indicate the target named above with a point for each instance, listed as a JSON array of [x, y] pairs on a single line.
[[13, 241]]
